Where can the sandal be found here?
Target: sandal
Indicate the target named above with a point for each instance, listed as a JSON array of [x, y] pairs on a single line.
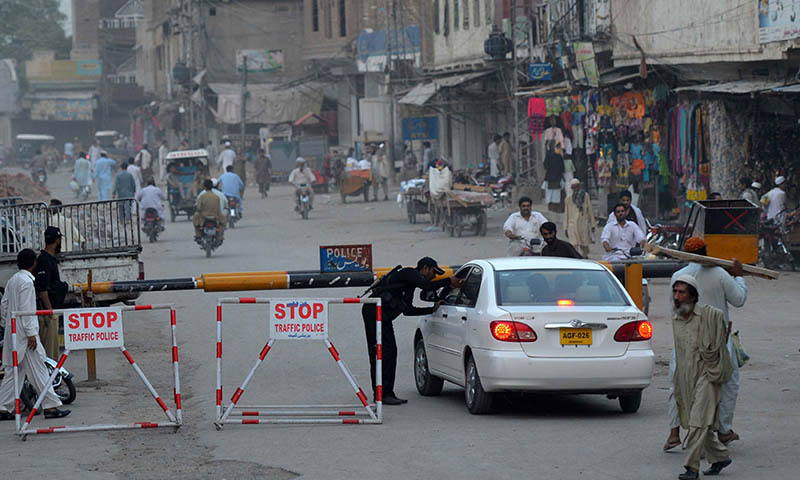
[[727, 438], [56, 413], [671, 444]]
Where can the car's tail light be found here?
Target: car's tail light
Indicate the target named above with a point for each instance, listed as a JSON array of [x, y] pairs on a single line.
[[634, 332], [506, 331], [565, 303]]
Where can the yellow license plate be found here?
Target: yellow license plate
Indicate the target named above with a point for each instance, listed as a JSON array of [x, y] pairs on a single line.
[[576, 336]]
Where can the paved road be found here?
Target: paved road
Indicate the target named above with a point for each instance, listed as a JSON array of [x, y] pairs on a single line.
[[562, 437]]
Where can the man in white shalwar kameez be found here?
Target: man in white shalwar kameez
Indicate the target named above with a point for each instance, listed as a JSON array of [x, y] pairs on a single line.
[[20, 296]]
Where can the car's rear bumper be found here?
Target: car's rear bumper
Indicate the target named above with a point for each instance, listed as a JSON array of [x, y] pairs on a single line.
[[510, 370]]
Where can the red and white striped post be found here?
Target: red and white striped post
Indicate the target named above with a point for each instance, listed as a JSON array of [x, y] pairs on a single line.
[[298, 414], [175, 420]]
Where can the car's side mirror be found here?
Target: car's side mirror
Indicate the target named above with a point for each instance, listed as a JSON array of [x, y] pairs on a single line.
[[536, 241]]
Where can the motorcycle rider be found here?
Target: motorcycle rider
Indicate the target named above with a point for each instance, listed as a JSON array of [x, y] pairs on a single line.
[[299, 176], [232, 186], [620, 235], [208, 206], [523, 226], [152, 197], [38, 162], [632, 212]]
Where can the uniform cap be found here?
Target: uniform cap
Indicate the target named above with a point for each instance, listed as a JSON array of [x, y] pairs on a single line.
[[429, 262]]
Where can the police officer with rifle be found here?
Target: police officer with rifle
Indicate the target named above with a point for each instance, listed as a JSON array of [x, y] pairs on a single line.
[[396, 291]]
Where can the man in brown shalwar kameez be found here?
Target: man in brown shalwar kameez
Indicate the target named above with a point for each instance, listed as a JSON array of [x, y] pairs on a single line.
[[703, 365]]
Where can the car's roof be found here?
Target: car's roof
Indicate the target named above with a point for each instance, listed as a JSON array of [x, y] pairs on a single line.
[[34, 136], [528, 263], [199, 153]]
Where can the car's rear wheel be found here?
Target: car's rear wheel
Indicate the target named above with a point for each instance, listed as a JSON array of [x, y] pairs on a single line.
[[630, 403], [427, 384], [478, 400]]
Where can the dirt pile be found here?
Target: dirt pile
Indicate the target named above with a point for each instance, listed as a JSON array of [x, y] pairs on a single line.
[[21, 185]]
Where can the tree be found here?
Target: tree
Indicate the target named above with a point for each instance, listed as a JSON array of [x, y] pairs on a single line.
[[28, 25]]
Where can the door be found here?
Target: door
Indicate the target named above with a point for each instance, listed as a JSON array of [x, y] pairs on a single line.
[[440, 349], [460, 317]]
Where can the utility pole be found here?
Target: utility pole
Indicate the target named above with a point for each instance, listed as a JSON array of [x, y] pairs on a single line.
[[388, 71], [514, 87], [244, 98]]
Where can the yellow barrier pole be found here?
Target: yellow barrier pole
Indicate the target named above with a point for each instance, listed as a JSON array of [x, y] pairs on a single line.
[[633, 283]]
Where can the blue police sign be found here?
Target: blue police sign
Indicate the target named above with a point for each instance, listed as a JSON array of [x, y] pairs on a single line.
[[540, 72], [421, 128]]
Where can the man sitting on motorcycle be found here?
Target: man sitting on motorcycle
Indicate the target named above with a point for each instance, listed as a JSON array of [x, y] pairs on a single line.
[[523, 226], [302, 176], [620, 235], [208, 206], [233, 187], [152, 197]]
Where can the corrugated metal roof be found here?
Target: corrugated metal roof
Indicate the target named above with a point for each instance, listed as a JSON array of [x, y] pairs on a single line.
[[423, 92], [419, 94], [737, 87]]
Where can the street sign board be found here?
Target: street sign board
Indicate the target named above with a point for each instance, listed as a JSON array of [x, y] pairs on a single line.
[[345, 258], [420, 128], [86, 328], [540, 72], [298, 319]]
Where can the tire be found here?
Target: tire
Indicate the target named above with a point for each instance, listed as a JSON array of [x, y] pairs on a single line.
[[65, 389], [483, 223], [304, 212], [208, 250], [478, 400], [427, 384], [152, 236], [172, 215], [630, 403], [366, 192], [231, 222]]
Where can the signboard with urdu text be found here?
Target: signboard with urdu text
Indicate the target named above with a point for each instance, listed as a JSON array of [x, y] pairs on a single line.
[[420, 128], [540, 72], [345, 258]]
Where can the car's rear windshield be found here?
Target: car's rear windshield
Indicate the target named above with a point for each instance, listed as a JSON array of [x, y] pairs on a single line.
[[558, 287]]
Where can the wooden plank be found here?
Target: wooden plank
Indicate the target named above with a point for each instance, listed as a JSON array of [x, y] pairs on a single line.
[[472, 188], [691, 257]]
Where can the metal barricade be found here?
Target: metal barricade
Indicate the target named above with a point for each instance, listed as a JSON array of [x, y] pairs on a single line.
[[300, 414], [22, 226], [174, 420], [97, 227]]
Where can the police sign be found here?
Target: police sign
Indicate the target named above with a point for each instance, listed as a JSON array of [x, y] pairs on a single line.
[[296, 319], [86, 328]]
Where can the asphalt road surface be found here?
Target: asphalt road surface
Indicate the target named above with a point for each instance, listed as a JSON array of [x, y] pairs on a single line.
[[560, 437]]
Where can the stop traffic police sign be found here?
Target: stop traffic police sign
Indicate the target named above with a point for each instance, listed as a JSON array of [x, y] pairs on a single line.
[[86, 328]]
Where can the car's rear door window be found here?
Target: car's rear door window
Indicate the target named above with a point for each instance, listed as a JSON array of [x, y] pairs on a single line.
[[451, 295], [551, 286], [471, 288]]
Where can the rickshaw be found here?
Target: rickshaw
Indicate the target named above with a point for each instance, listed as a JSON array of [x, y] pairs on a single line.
[[106, 139], [354, 183], [728, 227], [187, 162], [28, 144]]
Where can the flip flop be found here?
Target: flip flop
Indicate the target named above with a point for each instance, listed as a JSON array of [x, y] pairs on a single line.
[[671, 444]]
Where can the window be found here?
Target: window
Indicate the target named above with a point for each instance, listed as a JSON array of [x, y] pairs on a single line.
[[315, 15], [548, 287], [466, 14], [451, 295], [489, 6], [328, 16], [456, 15], [436, 18], [342, 19], [476, 13], [446, 18], [471, 288]]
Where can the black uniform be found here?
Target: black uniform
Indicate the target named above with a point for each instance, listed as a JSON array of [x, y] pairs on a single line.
[[560, 248], [397, 298], [48, 280]]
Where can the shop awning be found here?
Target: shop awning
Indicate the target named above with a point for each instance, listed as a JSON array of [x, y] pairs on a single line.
[[65, 105], [738, 87], [265, 104], [423, 92]]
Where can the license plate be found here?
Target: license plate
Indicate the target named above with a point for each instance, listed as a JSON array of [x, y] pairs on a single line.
[[576, 336]]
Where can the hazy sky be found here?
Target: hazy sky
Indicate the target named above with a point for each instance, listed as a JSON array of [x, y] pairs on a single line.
[[66, 9]]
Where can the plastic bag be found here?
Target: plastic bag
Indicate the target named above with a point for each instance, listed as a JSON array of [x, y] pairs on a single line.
[[741, 356]]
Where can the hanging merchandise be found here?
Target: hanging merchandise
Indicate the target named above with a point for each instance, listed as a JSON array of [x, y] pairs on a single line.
[[537, 112]]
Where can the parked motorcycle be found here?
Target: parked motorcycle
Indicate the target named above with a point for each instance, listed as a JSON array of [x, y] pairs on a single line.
[[209, 239], [665, 235], [234, 211], [305, 201], [152, 225], [772, 250], [501, 189]]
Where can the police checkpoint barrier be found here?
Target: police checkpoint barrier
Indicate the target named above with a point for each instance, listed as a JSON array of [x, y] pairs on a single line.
[[297, 319], [96, 328]]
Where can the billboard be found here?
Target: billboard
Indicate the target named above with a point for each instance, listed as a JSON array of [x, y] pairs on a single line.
[[778, 20], [264, 61]]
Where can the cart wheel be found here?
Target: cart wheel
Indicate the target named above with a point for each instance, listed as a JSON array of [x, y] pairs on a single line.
[[366, 192], [482, 221]]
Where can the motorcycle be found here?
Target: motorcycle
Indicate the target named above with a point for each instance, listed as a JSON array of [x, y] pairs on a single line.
[[152, 224], [63, 383], [665, 235], [40, 176], [772, 250], [501, 189], [209, 239], [529, 250], [234, 211], [305, 199]]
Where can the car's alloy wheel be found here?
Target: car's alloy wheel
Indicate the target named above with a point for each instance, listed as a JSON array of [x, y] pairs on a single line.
[[478, 400], [427, 384]]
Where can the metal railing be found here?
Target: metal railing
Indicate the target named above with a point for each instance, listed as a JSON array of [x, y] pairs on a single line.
[[90, 227]]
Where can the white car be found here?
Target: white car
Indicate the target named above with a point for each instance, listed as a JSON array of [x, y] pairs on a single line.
[[536, 324]]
